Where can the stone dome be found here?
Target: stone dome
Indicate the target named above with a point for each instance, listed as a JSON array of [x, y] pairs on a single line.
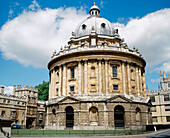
[[94, 23]]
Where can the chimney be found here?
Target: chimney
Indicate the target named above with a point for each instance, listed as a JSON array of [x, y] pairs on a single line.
[[2, 89]]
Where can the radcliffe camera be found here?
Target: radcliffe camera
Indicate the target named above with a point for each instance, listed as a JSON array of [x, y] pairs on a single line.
[[97, 83]]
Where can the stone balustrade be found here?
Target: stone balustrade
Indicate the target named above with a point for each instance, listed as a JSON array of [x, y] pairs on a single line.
[[80, 48]]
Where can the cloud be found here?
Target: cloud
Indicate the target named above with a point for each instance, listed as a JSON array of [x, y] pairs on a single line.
[[8, 90], [31, 37], [151, 35], [101, 3], [34, 5], [155, 80]]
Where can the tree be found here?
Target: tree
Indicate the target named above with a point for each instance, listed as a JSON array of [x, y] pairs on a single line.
[[43, 91]]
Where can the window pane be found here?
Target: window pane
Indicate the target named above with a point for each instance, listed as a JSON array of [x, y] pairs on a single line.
[[72, 88], [154, 119], [115, 87], [167, 107], [153, 109], [114, 69], [72, 73], [166, 98], [168, 118], [152, 99]]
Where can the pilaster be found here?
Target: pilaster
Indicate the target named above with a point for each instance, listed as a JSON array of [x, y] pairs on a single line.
[[64, 79], [129, 79], [123, 78], [99, 77], [137, 80], [79, 77], [60, 75], [106, 76], [85, 77]]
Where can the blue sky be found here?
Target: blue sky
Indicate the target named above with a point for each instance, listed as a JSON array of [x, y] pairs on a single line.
[[30, 30]]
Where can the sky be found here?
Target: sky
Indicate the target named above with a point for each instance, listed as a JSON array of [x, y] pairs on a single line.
[[30, 30]]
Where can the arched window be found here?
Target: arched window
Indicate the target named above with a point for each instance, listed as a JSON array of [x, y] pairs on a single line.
[[69, 116], [103, 25], [138, 118], [84, 26], [57, 77], [119, 116], [93, 112], [93, 71], [53, 117]]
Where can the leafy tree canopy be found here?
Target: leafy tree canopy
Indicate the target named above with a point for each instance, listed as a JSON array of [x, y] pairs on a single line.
[[43, 91]]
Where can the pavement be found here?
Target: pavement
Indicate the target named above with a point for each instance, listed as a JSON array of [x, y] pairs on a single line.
[[158, 134]]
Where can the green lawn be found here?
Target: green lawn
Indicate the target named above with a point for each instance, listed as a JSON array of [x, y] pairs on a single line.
[[69, 132]]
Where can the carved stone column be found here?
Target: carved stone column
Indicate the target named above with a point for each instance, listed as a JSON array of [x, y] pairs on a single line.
[[123, 78], [79, 77], [140, 82], [106, 76], [144, 84], [60, 75], [85, 77], [52, 83], [99, 76], [129, 79], [137, 80], [49, 85], [64, 79]]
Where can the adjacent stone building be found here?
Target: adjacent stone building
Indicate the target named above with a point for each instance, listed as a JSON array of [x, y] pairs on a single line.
[[161, 102], [96, 81], [23, 107]]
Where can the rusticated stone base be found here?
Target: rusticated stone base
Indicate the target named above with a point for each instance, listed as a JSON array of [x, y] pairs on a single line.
[[99, 114]]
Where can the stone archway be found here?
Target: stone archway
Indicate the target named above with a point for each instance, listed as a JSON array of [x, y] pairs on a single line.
[[93, 112], [138, 116], [119, 116], [69, 116]]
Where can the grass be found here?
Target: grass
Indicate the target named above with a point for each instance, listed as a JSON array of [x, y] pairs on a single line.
[[69, 132]]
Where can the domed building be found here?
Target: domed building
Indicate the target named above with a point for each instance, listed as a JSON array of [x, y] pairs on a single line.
[[96, 81]]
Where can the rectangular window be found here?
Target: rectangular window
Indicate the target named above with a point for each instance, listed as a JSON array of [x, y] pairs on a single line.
[[3, 113], [114, 70], [115, 87], [154, 119], [168, 84], [167, 107], [166, 98], [153, 109], [72, 88], [72, 73], [168, 119], [93, 87], [152, 98]]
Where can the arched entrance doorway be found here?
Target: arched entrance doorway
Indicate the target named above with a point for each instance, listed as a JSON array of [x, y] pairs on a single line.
[[119, 116], [69, 116]]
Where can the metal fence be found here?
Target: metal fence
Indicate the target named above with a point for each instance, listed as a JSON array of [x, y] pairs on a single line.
[[73, 132]]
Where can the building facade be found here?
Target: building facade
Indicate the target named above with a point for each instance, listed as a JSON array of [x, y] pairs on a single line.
[[23, 107], [96, 81], [160, 100]]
